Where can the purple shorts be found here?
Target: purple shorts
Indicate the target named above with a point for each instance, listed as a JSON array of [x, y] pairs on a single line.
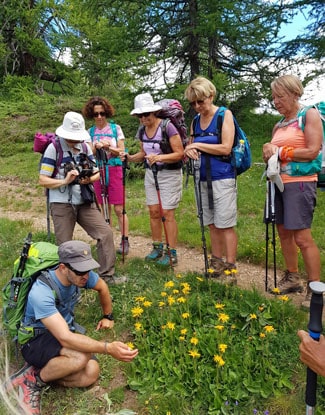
[[114, 188]]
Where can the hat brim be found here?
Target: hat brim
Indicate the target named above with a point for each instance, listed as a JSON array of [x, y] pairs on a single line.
[[83, 266], [149, 108], [70, 135]]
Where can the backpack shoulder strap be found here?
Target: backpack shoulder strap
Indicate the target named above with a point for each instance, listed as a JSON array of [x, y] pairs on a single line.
[[164, 124], [59, 154], [92, 133], [46, 278], [220, 118], [113, 128]]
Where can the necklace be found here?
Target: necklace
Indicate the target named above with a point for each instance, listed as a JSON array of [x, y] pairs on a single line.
[[282, 123]]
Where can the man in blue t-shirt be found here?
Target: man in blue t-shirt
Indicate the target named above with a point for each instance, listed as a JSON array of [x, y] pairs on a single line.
[[56, 353]]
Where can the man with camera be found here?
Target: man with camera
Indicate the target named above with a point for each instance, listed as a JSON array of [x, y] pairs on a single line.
[[71, 195]]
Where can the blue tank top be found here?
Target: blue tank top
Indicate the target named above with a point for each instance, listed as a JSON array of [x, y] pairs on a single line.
[[221, 167]]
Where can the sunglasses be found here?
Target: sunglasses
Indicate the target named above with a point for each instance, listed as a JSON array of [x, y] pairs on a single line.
[[78, 273], [145, 114], [97, 114], [197, 102]]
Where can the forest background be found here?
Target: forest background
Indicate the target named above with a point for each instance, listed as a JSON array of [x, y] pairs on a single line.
[[54, 55]]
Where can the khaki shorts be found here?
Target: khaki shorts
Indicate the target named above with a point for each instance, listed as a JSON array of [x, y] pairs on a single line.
[[170, 184], [224, 213]]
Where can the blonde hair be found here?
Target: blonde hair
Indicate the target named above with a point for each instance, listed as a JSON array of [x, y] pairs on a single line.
[[199, 89], [289, 83]]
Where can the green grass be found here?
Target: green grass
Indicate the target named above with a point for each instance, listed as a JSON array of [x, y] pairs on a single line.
[[176, 383]]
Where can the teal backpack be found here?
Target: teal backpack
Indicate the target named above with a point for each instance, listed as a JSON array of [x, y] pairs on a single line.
[[35, 258], [296, 168]]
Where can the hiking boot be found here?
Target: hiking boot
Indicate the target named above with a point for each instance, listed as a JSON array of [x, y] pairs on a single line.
[[124, 242], [216, 267], [290, 283], [30, 387], [156, 253], [114, 279], [167, 260], [18, 377]]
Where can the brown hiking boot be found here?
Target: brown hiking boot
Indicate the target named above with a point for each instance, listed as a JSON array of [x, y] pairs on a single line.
[[229, 274], [216, 267], [290, 283]]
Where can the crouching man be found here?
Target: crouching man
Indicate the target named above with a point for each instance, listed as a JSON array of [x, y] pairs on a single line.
[[56, 353]]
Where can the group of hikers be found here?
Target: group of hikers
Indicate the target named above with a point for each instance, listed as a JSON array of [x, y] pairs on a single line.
[[56, 353]]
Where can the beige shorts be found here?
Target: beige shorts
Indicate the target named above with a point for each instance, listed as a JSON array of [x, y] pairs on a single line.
[[224, 213], [170, 184]]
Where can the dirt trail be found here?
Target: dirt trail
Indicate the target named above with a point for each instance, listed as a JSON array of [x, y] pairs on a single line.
[[189, 259]]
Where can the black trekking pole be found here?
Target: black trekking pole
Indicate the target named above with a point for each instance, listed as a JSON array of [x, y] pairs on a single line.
[[272, 186], [315, 328], [101, 158], [196, 164], [21, 266], [163, 219], [124, 168]]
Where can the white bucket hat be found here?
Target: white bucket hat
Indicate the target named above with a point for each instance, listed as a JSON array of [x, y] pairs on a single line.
[[273, 171], [73, 127], [144, 103]]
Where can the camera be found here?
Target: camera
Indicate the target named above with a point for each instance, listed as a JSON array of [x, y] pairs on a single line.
[[85, 167]]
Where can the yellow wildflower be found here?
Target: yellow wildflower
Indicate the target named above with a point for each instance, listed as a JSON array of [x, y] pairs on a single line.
[[223, 317], [181, 300], [181, 338], [169, 284], [262, 335], [179, 276], [136, 311], [130, 345], [170, 325], [138, 326], [183, 331], [261, 308], [161, 304], [175, 292], [140, 299], [284, 298], [200, 279], [210, 270], [219, 306], [227, 272], [276, 291], [147, 303], [194, 353], [218, 359], [185, 315], [269, 329], [222, 347], [163, 294], [194, 340], [219, 327], [171, 300], [253, 316]]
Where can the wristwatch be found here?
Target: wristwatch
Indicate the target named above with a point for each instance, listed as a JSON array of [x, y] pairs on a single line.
[[109, 316]]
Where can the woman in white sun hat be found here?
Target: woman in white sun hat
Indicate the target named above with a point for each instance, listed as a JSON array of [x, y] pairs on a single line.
[[169, 177], [67, 201]]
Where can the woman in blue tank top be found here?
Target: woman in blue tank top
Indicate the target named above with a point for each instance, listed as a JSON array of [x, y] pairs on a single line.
[[217, 175]]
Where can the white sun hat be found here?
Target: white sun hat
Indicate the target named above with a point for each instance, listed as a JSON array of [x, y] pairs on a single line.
[[144, 103], [273, 171], [73, 127]]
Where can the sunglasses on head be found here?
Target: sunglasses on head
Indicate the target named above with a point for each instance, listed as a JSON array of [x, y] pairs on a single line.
[[78, 273], [97, 114], [145, 114]]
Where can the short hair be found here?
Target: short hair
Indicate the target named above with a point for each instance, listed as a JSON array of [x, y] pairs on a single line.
[[289, 83], [88, 109], [199, 89]]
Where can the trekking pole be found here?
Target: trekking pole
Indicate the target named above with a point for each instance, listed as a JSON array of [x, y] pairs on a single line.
[[267, 221], [163, 219], [124, 168], [101, 158], [196, 164], [272, 186], [21, 266], [315, 329]]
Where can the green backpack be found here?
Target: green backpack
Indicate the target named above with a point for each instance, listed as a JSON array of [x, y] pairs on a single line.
[[35, 258]]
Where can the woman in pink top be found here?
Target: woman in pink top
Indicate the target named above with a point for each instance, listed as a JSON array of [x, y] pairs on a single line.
[[108, 136], [294, 207]]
